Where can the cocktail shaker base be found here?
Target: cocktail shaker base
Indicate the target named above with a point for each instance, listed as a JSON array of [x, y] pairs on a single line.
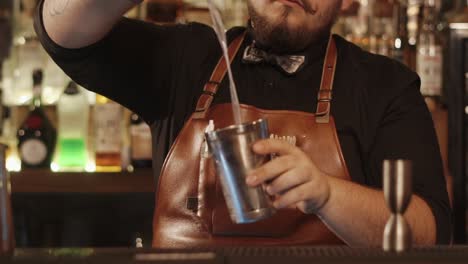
[[253, 216]]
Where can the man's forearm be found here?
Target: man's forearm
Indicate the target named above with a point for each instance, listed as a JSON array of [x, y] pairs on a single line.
[[358, 215], [78, 23]]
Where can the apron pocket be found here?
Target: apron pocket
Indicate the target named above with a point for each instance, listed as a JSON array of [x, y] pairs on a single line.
[[206, 189]]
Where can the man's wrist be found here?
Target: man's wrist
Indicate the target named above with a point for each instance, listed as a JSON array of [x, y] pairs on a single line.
[[326, 203]]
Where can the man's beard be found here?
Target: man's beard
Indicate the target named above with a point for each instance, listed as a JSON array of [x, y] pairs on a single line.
[[276, 37]]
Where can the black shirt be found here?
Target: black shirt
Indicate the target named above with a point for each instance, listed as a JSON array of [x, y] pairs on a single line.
[[159, 73]]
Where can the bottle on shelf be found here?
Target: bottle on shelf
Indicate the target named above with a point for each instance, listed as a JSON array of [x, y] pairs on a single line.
[[429, 58], [7, 235], [382, 30], [26, 55], [36, 135], [413, 26], [353, 24], [73, 118], [9, 138], [140, 140], [108, 117], [400, 45]]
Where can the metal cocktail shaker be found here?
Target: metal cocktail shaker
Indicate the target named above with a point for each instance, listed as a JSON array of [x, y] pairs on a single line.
[[234, 157]]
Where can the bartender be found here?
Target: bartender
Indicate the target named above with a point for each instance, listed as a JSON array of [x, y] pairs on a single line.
[[358, 109]]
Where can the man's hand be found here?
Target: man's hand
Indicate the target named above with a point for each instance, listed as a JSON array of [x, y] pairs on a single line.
[[292, 177], [295, 181]]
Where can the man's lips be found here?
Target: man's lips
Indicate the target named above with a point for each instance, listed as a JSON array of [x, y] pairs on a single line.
[[292, 2]]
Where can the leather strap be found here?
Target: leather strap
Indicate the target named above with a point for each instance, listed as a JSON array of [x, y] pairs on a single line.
[[211, 87], [324, 96]]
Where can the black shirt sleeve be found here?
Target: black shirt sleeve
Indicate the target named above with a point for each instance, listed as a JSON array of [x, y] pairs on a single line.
[[134, 65], [380, 114], [406, 131]]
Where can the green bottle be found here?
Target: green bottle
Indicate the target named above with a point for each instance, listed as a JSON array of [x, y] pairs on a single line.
[[73, 118]]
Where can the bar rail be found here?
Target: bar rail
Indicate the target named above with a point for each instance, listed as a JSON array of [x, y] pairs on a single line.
[[239, 255]]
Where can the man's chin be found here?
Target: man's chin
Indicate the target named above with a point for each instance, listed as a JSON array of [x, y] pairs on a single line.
[[292, 21]]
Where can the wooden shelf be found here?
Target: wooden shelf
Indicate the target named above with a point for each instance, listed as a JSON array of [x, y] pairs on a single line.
[[45, 181]]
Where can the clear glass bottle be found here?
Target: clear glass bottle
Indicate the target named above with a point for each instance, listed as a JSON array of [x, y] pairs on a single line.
[[429, 58], [27, 54], [73, 118], [108, 117], [36, 135]]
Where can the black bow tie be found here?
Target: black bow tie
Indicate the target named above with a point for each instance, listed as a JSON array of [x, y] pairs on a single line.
[[290, 64]]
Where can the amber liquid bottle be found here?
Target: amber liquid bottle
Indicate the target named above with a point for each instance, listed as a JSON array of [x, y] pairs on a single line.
[[108, 117], [140, 150]]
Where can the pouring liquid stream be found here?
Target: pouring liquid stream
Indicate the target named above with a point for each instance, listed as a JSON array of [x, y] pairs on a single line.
[[220, 30]]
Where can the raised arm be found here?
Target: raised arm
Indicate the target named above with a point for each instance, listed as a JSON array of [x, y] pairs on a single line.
[[79, 23], [129, 61]]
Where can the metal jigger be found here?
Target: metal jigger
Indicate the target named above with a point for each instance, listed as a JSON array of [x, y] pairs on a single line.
[[397, 185]]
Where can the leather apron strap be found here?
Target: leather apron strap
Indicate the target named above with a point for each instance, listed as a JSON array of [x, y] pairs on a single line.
[[322, 114], [211, 87]]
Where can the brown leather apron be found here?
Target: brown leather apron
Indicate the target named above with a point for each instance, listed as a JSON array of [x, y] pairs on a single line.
[[191, 211]]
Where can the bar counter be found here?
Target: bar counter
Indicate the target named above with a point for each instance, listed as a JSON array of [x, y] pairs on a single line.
[[79, 209], [239, 255]]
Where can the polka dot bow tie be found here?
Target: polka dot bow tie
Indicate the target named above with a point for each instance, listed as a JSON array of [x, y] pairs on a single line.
[[289, 64]]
